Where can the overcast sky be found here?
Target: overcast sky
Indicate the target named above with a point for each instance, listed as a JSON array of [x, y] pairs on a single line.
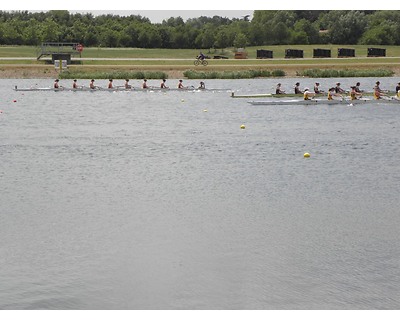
[[196, 5], [157, 16], [158, 10]]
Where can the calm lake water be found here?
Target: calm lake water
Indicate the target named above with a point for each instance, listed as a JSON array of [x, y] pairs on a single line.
[[147, 201]]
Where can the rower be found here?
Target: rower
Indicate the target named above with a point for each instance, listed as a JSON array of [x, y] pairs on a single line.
[[332, 93], [75, 85], [358, 87], [279, 90], [338, 89], [56, 86], [91, 85], [378, 92], [127, 85], [297, 88], [163, 85], [110, 84], [397, 96], [397, 88], [308, 95], [202, 85], [144, 85], [180, 84], [354, 95], [316, 88]]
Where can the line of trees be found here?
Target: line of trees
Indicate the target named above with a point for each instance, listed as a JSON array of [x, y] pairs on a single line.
[[272, 27]]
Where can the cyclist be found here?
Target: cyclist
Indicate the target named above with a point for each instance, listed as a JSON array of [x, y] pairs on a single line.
[[201, 56]]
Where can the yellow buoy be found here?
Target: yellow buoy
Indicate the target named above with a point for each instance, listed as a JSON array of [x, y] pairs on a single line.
[[307, 155], [205, 110], [242, 126]]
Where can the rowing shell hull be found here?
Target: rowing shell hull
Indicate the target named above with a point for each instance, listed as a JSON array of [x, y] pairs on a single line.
[[320, 102]]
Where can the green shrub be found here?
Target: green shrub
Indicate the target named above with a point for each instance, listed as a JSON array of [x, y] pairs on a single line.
[[346, 73], [248, 74], [114, 75]]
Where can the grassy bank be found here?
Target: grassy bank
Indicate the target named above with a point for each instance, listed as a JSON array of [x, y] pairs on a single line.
[[21, 62], [278, 51]]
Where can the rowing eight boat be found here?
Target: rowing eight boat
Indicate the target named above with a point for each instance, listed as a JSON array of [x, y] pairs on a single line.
[[290, 95], [322, 102], [87, 89]]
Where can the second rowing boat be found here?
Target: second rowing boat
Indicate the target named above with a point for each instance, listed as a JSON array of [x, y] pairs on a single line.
[[323, 102], [292, 95]]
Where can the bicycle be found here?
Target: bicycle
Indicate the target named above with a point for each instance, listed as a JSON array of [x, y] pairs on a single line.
[[204, 62]]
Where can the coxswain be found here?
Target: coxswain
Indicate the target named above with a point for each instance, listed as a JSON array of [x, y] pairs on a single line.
[[202, 85], [308, 95], [338, 89], [56, 86], [163, 85], [278, 89], [127, 85], [297, 88], [91, 85], [316, 88], [354, 95], [110, 84], [180, 84]]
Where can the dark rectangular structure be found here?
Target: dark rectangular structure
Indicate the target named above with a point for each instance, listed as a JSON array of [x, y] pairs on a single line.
[[346, 53], [59, 50], [376, 52], [322, 53], [294, 53], [265, 54]]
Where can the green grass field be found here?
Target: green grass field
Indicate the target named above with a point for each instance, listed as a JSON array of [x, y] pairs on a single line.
[[177, 61], [278, 52]]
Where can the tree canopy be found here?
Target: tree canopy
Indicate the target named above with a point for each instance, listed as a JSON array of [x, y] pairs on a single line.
[[267, 27]]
